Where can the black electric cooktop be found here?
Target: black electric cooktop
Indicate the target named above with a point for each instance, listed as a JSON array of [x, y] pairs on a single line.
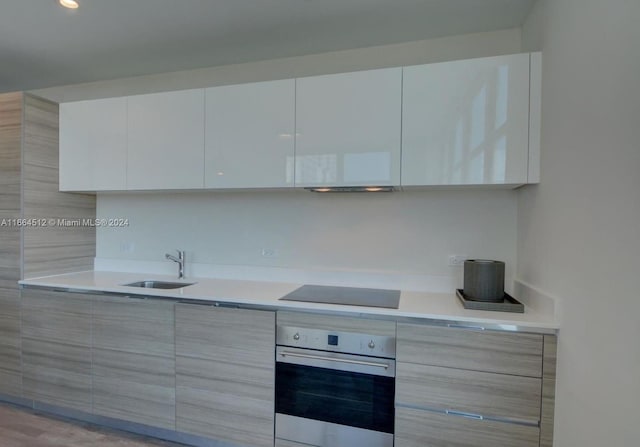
[[349, 296]]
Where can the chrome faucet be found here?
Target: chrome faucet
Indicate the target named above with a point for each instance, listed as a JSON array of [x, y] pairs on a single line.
[[180, 259]]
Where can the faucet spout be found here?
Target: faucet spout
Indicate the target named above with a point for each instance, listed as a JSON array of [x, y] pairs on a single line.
[[180, 260]]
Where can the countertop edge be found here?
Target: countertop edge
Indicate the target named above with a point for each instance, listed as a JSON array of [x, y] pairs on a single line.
[[468, 322]]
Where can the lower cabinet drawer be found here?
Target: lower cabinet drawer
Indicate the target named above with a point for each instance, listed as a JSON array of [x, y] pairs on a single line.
[[417, 428], [517, 354], [490, 395]]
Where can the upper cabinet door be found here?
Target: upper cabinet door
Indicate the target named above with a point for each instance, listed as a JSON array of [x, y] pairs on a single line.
[[466, 122], [249, 139], [93, 145], [166, 140], [348, 129]]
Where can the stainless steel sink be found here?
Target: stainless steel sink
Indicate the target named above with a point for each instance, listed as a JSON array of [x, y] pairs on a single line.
[[150, 284]]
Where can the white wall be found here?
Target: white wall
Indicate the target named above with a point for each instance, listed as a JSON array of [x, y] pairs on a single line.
[[579, 230], [410, 53], [409, 233]]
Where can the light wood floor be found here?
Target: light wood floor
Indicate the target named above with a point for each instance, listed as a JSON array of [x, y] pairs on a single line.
[[25, 428]]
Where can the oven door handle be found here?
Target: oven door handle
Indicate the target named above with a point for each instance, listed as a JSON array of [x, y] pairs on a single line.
[[333, 359]]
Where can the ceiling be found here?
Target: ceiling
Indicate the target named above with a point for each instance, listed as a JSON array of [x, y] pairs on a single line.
[[43, 45]]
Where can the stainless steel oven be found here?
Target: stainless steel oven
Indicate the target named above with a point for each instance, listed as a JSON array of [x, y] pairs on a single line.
[[334, 389]]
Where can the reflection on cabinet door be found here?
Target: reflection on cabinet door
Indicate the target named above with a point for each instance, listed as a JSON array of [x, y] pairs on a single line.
[[93, 145], [165, 140], [348, 129], [466, 122], [134, 360], [225, 381], [416, 428], [250, 135], [56, 347]]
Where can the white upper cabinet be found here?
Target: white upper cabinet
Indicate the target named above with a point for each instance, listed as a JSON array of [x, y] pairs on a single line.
[[250, 131], [469, 122], [466, 122], [166, 140], [348, 129], [93, 145]]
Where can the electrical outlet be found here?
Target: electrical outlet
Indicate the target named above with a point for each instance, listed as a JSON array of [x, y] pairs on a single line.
[[457, 260], [127, 247], [269, 253]]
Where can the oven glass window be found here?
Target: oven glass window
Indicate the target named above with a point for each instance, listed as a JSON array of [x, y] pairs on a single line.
[[340, 397]]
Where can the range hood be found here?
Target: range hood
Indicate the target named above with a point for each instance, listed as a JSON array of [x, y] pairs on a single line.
[[351, 189]]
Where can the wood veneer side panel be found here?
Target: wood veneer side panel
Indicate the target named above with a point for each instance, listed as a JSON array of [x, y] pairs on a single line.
[[10, 181], [548, 390], [55, 248], [10, 343], [10, 209]]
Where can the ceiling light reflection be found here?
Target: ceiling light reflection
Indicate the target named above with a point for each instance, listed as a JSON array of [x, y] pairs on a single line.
[[71, 4]]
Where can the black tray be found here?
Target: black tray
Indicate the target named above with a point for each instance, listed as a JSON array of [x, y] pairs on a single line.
[[509, 304]]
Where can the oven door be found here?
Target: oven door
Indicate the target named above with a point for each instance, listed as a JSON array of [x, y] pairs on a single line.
[[329, 399]]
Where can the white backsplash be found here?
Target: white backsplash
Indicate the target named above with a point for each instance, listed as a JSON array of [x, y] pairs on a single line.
[[400, 239]]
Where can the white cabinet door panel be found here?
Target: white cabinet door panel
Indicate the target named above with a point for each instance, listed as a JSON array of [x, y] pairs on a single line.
[[250, 132], [93, 145], [348, 129], [466, 122], [166, 140]]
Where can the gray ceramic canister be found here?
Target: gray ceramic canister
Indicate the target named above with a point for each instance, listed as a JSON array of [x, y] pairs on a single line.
[[484, 280]]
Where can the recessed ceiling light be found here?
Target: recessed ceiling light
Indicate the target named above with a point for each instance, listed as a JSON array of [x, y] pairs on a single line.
[[71, 4]]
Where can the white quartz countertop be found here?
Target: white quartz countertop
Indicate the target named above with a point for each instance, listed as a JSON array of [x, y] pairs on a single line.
[[422, 305]]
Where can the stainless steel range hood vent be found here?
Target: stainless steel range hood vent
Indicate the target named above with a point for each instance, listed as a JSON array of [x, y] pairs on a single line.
[[351, 189]]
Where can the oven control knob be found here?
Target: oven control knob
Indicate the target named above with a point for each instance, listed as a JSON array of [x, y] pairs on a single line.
[[371, 344], [296, 336]]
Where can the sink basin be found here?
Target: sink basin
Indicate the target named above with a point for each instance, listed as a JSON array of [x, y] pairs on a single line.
[[159, 284]]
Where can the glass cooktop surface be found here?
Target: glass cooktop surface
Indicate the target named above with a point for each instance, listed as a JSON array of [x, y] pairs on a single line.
[[349, 296]]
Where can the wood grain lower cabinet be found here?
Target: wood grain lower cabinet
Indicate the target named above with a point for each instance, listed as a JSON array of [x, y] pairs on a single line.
[[10, 344], [548, 390], [134, 360], [460, 387], [475, 392], [225, 374], [416, 428], [56, 348], [491, 351]]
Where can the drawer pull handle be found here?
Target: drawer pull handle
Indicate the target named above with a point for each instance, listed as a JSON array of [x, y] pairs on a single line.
[[334, 360], [464, 326], [464, 414]]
